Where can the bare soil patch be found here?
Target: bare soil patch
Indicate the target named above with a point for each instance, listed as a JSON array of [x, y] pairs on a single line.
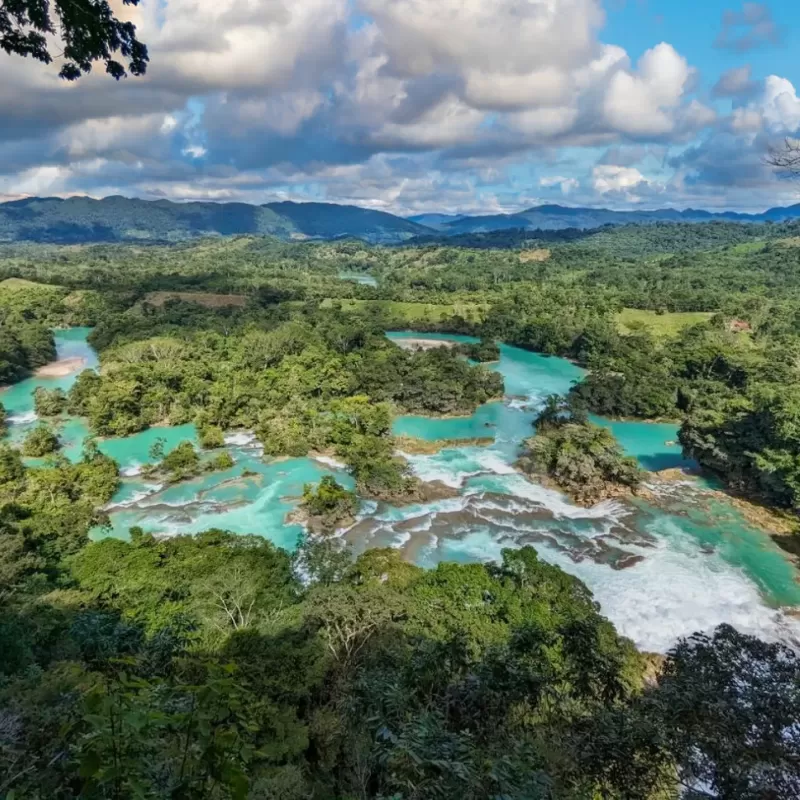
[[206, 299]]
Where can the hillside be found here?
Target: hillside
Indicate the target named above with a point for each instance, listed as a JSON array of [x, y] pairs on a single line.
[[117, 219], [436, 221], [120, 219], [331, 221], [555, 217]]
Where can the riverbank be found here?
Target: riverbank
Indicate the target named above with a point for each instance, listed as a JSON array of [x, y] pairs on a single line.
[[61, 368], [781, 526], [424, 344]]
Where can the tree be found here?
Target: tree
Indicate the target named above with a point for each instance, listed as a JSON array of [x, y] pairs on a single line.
[[49, 402], [585, 460], [11, 467], [786, 158], [232, 594], [728, 705], [329, 502], [88, 30], [210, 436], [41, 441]]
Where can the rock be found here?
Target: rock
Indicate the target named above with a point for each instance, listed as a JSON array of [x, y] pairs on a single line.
[[416, 491], [414, 446], [321, 526]]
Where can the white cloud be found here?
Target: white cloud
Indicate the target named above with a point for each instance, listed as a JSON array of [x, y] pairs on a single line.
[[746, 120], [775, 109], [612, 178], [194, 151], [565, 184], [45, 181], [643, 102], [780, 105], [409, 104], [506, 37]]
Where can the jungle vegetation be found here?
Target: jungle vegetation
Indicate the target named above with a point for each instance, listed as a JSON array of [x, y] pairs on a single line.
[[582, 458], [219, 666]]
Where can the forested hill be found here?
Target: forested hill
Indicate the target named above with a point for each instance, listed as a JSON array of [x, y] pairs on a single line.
[[555, 217], [121, 219], [331, 221], [116, 219]]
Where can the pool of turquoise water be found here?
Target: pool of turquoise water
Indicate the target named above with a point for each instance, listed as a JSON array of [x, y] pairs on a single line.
[[359, 277], [699, 562]]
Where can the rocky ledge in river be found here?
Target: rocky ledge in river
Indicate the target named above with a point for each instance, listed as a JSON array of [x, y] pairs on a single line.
[[411, 445], [414, 491], [319, 525]]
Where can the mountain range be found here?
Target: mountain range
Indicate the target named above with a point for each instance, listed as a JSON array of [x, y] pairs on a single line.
[[114, 219]]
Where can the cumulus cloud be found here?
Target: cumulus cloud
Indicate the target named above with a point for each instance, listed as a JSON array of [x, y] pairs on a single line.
[[780, 105], [642, 102], [610, 178], [408, 105], [726, 168]]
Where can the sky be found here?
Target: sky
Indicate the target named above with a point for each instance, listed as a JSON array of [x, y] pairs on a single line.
[[422, 106]]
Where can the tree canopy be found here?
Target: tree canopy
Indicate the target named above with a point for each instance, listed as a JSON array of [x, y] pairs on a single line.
[[87, 30]]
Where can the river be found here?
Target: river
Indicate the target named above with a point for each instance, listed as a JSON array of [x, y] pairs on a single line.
[[659, 571]]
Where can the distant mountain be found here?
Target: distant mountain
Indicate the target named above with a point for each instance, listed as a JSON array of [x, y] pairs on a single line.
[[435, 221], [555, 217], [331, 221], [114, 219]]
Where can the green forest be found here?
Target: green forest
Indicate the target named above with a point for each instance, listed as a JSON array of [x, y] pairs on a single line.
[[220, 666]]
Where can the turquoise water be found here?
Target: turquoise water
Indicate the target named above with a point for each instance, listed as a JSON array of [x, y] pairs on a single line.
[[359, 277], [655, 444], [18, 399], [659, 570]]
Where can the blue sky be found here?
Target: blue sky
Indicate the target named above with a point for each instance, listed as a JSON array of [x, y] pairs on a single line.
[[692, 25], [417, 106]]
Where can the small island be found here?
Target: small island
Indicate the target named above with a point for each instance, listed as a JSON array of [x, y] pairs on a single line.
[[582, 459]]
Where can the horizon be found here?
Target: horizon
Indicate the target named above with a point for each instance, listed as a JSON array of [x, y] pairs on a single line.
[[421, 106], [186, 201]]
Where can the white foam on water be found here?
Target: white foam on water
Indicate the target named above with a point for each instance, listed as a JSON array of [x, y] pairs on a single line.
[[330, 462], [401, 539], [519, 404], [516, 485], [434, 468], [131, 471], [137, 497], [23, 419], [417, 511], [453, 470], [673, 592], [368, 508], [240, 438], [492, 461]]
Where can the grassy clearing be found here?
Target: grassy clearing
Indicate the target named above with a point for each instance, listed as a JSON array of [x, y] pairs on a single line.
[[542, 254], [749, 247], [663, 325], [417, 312], [19, 284], [206, 299]]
